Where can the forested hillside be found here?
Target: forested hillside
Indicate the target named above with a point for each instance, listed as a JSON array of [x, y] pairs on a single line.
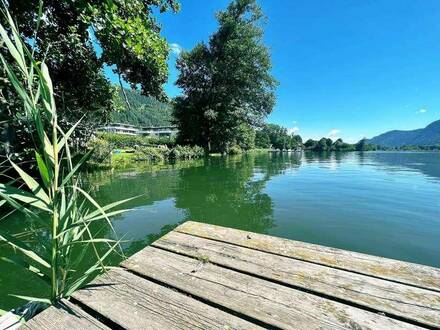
[[428, 136], [145, 111]]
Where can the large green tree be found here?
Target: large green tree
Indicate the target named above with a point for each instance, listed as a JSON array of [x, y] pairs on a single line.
[[262, 139], [278, 136], [326, 144], [227, 84], [310, 144], [295, 142], [77, 39]]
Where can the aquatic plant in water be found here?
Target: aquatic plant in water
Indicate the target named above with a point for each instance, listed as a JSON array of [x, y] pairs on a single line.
[[53, 198]]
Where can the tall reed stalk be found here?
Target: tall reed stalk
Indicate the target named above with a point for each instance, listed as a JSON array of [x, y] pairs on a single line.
[[54, 198]]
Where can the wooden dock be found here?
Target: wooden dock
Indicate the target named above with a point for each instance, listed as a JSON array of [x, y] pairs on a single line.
[[208, 277]]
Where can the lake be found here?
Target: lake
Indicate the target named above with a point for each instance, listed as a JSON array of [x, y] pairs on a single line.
[[380, 203]]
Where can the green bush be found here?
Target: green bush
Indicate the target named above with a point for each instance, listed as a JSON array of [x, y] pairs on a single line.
[[151, 153], [186, 152], [144, 148], [176, 153], [121, 141], [102, 150], [235, 150], [163, 140]]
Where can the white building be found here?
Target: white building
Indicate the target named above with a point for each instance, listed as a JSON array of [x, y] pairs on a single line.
[[119, 128], [127, 129], [160, 131]]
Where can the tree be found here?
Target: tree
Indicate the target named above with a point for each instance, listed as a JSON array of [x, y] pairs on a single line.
[[246, 134], [262, 139], [339, 145], [361, 145], [310, 144], [295, 142], [227, 82], [329, 143], [278, 137], [69, 32], [322, 145]]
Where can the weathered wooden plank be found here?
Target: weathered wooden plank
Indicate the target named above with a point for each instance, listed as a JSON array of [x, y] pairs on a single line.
[[396, 299], [10, 321], [63, 316], [271, 303], [394, 270], [136, 303]]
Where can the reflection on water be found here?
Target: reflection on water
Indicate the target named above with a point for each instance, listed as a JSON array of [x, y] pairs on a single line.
[[381, 203], [221, 191], [425, 163]]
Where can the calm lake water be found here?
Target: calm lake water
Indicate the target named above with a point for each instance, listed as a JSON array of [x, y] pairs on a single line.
[[380, 203]]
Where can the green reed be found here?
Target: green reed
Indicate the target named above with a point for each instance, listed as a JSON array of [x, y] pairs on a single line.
[[53, 198]]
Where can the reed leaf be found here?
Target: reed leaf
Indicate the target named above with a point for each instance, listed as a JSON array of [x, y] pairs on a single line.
[[42, 168], [25, 249], [30, 298], [83, 279], [15, 53], [33, 185], [27, 212], [55, 200], [75, 169], [67, 135], [109, 207], [95, 240], [25, 197], [96, 205]]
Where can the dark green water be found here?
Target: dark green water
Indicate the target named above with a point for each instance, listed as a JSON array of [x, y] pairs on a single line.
[[386, 204]]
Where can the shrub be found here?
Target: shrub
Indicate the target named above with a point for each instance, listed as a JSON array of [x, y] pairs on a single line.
[[186, 152], [235, 150], [174, 154], [144, 148], [150, 153], [121, 141], [170, 142], [131, 141], [102, 150]]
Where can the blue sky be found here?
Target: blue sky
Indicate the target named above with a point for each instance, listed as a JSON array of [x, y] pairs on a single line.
[[346, 68]]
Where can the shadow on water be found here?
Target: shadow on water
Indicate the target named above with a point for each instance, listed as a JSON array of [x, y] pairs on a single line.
[[222, 191]]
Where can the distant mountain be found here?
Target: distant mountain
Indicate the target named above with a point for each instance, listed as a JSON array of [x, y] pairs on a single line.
[[145, 111], [428, 136]]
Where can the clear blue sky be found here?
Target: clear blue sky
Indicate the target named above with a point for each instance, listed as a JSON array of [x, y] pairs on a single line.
[[351, 67]]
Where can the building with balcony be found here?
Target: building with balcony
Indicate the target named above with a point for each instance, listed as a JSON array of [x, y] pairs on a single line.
[[159, 131], [127, 129], [119, 128]]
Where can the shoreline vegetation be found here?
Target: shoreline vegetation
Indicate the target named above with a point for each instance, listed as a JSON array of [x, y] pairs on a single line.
[[112, 150]]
